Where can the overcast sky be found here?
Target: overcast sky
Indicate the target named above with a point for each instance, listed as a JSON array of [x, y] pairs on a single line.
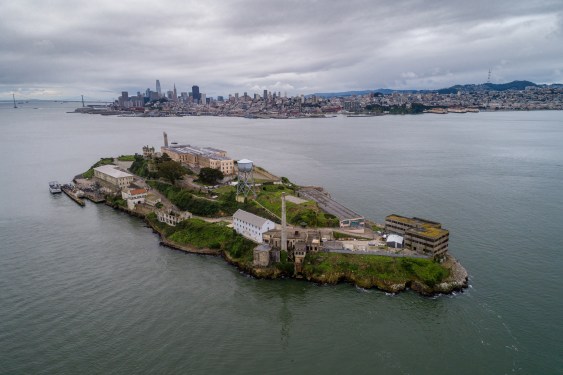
[[61, 49]]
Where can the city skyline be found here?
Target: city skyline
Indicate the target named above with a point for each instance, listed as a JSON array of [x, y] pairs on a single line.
[[59, 50]]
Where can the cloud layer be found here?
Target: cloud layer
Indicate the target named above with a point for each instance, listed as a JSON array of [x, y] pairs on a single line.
[[60, 49]]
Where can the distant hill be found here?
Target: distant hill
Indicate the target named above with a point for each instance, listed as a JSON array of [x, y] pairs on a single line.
[[514, 85]]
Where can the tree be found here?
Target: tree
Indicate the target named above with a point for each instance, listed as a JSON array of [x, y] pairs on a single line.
[[210, 176], [171, 170]]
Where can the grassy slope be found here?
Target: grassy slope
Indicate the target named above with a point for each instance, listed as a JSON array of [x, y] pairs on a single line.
[[366, 269]]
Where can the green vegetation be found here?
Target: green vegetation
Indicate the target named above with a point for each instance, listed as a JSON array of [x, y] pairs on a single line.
[[126, 158], [201, 234], [185, 200], [163, 167], [170, 170], [140, 167], [333, 266], [115, 201], [376, 228], [90, 172], [210, 176], [285, 265], [308, 212]]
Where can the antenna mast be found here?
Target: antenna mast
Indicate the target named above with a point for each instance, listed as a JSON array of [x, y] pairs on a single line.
[[489, 76], [83, 101]]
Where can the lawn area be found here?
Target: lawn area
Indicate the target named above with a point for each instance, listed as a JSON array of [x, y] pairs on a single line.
[[126, 158]]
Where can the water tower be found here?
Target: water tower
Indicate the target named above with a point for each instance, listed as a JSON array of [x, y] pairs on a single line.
[[245, 178]]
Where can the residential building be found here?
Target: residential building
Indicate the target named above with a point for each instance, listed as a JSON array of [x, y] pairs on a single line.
[[251, 226]]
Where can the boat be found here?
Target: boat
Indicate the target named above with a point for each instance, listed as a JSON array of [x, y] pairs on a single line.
[[54, 187]]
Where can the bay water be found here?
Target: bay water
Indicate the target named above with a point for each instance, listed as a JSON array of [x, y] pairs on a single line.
[[89, 290]]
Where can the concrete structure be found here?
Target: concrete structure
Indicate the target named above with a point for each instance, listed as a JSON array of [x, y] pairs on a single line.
[[251, 226], [172, 218], [284, 224], [113, 176], [395, 241], [148, 152], [421, 235], [348, 218], [152, 199], [133, 196], [262, 256], [197, 157], [310, 237], [299, 254]]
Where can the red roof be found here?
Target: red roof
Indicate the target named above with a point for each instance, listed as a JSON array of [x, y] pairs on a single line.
[[137, 191]]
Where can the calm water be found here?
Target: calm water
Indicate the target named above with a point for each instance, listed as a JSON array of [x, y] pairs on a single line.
[[89, 290]]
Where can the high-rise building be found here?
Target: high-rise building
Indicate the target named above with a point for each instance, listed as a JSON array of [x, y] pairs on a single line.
[[196, 94], [158, 87], [202, 99], [175, 97], [265, 97]]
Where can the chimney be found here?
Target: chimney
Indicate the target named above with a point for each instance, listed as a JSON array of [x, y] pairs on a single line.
[[284, 226]]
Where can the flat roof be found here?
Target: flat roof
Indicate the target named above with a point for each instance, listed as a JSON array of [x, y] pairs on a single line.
[[207, 152], [111, 170]]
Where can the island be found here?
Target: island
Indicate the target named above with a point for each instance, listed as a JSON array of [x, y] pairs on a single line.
[[199, 200]]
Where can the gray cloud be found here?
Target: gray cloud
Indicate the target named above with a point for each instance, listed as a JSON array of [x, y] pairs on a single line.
[[63, 48]]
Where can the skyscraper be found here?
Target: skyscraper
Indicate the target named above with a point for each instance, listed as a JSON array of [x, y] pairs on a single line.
[[196, 94], [175, 97], [158, 87]]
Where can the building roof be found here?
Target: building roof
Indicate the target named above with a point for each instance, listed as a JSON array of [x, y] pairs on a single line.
[[395, 238], [252, 219], [111, 170], [208, 152], [137, 191], [428, 232]]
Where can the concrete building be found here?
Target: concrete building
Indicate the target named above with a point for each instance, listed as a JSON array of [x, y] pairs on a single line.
[[172, 218], [395, 241], [421, 235], [311, 237], [148, 152], [197, 157], [261, 256], [133, 196], [251, 226], [113, 176]]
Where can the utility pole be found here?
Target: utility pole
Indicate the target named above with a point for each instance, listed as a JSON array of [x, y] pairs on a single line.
[[83, 101]]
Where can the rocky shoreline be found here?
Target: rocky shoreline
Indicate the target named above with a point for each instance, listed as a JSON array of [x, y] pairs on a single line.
[[456, 281]]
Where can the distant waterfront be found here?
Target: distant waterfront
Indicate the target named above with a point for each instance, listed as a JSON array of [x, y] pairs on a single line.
[[84, 289]]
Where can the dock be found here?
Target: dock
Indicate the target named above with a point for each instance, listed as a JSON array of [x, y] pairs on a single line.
[[72, 194]]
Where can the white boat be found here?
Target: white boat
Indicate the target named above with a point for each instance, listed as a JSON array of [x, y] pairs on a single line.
[[54, 187]]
